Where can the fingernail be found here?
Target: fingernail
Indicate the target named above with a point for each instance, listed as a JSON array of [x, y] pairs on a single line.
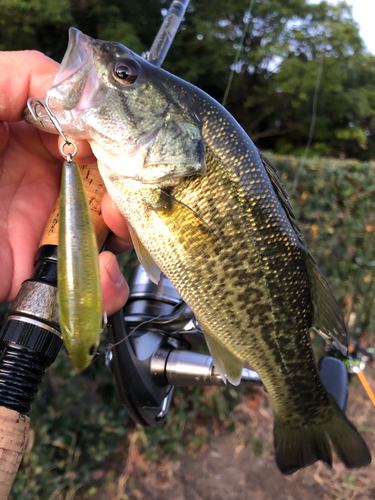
[[114, 272]]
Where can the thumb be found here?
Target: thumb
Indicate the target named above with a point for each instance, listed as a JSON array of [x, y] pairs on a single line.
[[115, 289]]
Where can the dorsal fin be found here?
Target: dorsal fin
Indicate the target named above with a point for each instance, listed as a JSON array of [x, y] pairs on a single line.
[[282, 195], [327, 319], [327, 316]]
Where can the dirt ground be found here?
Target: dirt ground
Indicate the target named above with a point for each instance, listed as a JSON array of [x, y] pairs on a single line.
[[240, 466]]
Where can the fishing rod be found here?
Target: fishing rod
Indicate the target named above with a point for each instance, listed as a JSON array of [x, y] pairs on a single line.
[[167, 32]]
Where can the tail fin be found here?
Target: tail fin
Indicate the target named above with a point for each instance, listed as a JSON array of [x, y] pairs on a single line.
[[349, 445], [296, 448]]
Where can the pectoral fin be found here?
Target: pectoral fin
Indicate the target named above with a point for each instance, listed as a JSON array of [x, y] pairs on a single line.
[[226, 363], [327, 320], [152, 270], [186, 225]]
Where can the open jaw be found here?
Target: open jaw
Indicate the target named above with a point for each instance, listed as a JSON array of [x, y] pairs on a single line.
[[68, 87], [72, 77], [76, 89]]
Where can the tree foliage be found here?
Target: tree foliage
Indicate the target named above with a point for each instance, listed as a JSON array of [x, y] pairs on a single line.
[[292, 51]]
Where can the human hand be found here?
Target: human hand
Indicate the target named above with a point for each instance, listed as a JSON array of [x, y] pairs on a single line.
[[30, 170]]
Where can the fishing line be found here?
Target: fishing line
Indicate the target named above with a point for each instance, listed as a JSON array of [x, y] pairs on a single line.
[[312, 127], [111, 346], [239, 50]]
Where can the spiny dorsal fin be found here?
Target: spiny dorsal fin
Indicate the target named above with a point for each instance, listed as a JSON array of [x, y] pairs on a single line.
[[152, 270], [226, 363], [282, 194], [327, 317], [327, 320]]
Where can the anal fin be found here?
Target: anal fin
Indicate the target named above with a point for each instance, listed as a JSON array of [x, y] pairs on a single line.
[[226, 363]]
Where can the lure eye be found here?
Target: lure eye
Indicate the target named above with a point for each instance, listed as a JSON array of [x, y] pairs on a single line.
[[124, 72], [92, 350]]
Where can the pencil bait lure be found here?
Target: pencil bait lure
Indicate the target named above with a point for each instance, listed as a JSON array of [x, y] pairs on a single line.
[[78, 275], [79, 290]]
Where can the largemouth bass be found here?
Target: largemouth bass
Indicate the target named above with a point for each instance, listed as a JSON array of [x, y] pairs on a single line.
[[209, 211]]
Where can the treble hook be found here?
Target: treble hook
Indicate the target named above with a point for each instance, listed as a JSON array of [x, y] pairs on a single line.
[[31, 104]]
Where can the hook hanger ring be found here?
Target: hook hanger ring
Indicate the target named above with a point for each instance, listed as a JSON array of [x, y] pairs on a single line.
[[68, 156]]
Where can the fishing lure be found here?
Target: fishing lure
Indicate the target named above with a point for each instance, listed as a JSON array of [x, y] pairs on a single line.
[[79, 290], [78, 275]]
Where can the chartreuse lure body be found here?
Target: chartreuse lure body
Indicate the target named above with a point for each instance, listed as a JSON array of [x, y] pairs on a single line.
[[79, 290]]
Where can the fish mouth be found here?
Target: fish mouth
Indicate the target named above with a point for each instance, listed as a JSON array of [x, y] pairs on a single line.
[[69, 84], [72, 77], [76, 56]]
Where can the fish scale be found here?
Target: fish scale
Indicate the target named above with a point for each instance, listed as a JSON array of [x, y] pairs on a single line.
[[206, 208]]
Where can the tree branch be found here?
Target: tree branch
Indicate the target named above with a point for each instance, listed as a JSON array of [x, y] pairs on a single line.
[[270, 132]]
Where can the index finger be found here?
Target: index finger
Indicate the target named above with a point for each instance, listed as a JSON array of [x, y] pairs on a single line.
[[24, 74]]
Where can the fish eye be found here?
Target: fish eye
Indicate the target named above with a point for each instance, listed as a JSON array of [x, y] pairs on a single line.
[[125, 72]]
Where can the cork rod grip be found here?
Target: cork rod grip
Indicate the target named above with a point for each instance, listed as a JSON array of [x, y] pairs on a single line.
[[14, 429], [95, 190]]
